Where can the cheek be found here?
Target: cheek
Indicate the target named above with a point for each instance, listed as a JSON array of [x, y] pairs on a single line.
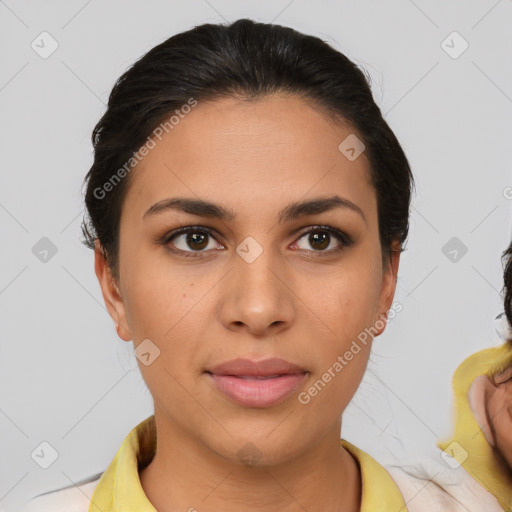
[[156, 299], [502, 419], [157, 314], [150, 308], [339, 370], [353, 302], [343, 342]]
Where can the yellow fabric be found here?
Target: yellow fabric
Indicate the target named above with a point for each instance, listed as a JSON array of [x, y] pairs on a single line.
[[379, 491], [482, 461], [119, 488]]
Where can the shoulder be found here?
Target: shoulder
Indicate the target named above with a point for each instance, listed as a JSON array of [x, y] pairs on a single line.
[[74, 498], [428, 483]]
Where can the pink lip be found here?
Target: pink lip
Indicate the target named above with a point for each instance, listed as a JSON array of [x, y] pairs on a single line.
[[257, 384]]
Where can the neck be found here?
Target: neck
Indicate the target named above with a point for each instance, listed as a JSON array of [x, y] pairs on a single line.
[[187, 475]]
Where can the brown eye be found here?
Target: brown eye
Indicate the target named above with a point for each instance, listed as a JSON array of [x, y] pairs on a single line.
[[196, 241], [319, 240], [321, 237], [190, 240]]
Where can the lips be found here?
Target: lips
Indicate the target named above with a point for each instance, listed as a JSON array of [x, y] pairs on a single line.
[[257, 384], [248, 368]]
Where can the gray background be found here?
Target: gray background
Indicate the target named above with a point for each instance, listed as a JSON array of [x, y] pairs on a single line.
[[65, 376]]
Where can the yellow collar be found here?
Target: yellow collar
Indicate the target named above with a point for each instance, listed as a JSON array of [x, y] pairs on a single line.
[[470, 447], [119, 488], [379, 491]]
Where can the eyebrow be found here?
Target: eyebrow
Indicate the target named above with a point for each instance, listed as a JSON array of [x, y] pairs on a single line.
[[295, 210]]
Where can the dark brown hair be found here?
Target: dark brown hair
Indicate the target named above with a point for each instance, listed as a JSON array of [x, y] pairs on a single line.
[[507, 286], [243, 59]]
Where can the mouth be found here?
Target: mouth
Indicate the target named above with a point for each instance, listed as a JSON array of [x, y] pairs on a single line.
[[257, 384]]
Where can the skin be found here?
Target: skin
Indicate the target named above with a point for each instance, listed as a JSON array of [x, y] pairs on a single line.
[[491, 401], [254, 158]]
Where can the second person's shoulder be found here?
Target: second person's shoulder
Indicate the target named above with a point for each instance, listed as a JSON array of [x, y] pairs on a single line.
[[75, 498], [430, 485]]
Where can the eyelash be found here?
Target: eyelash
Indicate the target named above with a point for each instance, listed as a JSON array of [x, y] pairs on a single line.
[[343, 238]]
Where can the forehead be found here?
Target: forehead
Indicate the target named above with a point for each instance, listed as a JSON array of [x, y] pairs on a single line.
[[239, 151]]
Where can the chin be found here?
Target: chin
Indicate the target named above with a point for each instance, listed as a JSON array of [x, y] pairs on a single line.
[[257, 450]]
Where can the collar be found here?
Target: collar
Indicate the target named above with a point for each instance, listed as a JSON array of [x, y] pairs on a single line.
[[119, 488], [470, 447]]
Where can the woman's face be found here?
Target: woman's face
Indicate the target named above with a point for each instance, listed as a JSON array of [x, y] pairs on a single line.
[[491, 400], [500, 410], [251, 285]]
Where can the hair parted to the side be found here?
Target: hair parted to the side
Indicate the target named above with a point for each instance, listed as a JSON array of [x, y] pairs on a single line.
[[246, 60]]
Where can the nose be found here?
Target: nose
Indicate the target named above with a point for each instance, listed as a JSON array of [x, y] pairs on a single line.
[[257, 296]]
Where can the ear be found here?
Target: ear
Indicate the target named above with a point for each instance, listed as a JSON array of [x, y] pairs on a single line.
[[111, 294], [478, 397], [389, 277]]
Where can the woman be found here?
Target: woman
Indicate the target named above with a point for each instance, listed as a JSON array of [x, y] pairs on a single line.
[[248, 205], [474, 469], [482, 441]]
